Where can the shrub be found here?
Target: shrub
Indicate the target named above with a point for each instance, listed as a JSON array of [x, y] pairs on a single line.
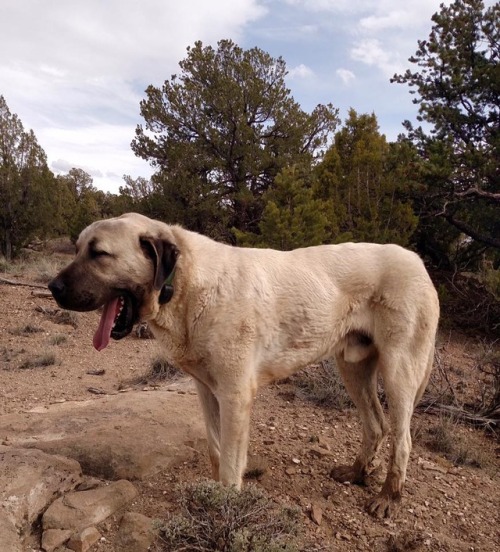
[[161, 370], [40, 361], [215, 518], [58, 339], [322, 385], [26, 330]]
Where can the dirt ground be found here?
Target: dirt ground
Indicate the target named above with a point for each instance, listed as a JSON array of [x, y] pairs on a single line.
[[450, 503]]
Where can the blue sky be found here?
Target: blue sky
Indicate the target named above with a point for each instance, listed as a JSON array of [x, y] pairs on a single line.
[[75, 71]]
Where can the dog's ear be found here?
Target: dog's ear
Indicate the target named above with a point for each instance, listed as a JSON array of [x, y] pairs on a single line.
[[164, 256]]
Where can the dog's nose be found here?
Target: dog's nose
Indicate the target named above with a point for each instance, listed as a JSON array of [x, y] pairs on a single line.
[[57, 287]]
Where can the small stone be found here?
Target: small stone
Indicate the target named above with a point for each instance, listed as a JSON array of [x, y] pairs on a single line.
[[291, 471], [54, 538], [84, 540], [319, 452], [136, 533], [295, 460], [316, 514]]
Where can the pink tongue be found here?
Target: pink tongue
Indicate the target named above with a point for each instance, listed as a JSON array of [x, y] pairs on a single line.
[[103, 332]]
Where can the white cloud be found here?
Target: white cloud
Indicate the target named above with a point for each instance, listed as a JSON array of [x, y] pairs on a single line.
[[345, 75], [300, 72], [77, 71], [371, 52]]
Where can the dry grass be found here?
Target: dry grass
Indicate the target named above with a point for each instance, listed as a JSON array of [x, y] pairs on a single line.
[[26, 330], [446, 437], [58, 339], [33, 266], [214, 518], [322, 385], [160, 370], [39, 361]]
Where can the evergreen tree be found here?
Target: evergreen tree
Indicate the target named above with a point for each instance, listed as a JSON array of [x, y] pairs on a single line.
[[29, 194], [219, 133], [293, 216], [363, 179], [457, 88]]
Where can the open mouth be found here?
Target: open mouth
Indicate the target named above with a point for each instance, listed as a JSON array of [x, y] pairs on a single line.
[[117, 320]]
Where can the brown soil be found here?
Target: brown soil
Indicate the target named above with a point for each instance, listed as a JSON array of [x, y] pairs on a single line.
[[295, 443]]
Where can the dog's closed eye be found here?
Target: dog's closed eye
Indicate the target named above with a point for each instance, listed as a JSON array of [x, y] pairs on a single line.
[[94, 253]]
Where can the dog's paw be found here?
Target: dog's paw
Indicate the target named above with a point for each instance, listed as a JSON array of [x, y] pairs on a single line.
[[348, 474], [382, 505]]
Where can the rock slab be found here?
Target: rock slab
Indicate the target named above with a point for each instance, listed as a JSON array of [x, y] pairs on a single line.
[[131, 435], [79, 510], [29, 481]]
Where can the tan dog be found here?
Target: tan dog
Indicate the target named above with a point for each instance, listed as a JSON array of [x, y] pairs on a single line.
[[237, 318]]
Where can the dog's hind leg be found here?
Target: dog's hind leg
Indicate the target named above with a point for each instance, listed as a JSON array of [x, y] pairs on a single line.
[[404, 380], [211, 414], [360, 379]]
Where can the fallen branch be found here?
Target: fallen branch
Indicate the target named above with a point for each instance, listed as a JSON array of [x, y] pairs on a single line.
[[27, 284], [488, 420], [42, 293]]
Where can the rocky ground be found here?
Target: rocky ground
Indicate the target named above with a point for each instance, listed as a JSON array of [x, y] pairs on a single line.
[[451, 503]]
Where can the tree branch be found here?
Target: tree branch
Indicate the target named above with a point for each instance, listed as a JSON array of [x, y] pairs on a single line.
[[479, 193], [474, 234]]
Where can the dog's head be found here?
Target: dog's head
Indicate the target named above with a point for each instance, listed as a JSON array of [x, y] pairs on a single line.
[[121, 264]]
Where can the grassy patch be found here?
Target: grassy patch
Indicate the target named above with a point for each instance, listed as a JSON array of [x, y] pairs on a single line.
[[45, 268], [160, 370], [322, 385], [214, 518], [444, 438], [58, 316], [405, 541], [39, 361], [58, 339], [26, 330]]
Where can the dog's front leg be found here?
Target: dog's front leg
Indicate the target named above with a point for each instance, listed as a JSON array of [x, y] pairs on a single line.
[[235, 409], [211, 414]]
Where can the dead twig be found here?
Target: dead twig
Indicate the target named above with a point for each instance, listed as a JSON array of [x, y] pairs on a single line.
[[490, 420], [26, 284]]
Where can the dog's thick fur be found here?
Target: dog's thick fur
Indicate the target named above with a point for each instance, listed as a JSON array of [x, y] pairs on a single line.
[[240, 318]]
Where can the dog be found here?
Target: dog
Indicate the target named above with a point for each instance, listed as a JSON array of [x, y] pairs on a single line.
[[238, 318]]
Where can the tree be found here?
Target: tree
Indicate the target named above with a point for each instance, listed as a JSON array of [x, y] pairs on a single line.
[[85, 201], [457, 89], [220, 132], [293, 216], [366, 182], [28, 191]]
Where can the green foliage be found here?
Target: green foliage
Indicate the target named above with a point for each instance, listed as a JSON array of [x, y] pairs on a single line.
[[220, 132], [366, 182], [29, 193], [214, 518], [293, 217], [457, 89], [84, 201]]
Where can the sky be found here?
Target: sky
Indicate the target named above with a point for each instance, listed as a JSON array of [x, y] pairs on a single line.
[[75, 71]]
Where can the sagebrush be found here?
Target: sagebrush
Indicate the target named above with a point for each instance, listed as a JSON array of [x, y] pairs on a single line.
[[215, 518]]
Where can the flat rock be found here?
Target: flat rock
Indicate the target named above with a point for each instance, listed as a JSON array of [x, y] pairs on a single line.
[[9, 538], [29, 481], [126, 436], [79, 510]]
